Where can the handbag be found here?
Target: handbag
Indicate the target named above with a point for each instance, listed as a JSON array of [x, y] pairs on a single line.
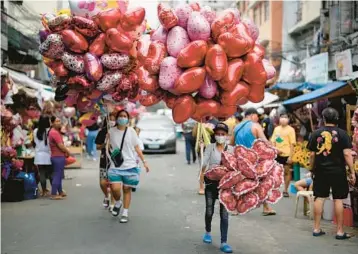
[[116, 155]]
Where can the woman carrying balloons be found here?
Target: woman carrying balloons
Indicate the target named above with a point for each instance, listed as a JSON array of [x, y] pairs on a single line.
[[123, 171], [212, 157]]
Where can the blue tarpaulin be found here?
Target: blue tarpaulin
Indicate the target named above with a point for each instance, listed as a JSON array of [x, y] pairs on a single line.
[[327, 91], [296, 86]]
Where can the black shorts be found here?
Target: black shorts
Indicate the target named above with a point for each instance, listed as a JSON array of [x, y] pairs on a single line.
[[322, 184], [282, 160]]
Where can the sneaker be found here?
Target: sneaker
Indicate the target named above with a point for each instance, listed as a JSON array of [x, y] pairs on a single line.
[[106, 203], [207, 238], [110, 208], [116, 210], [225, 248], [124, 219]]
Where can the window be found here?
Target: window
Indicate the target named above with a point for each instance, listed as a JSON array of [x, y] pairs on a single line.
[[299, 11], [267, 10]]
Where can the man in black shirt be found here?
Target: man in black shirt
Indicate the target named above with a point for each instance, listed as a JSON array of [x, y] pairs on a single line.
[[330, 152]]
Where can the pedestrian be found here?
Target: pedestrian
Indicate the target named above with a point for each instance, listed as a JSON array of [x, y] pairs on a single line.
[[42, 153], [266, 123], [188, 127], [104, 161], [331, 151], [92, 132], [212, 157], [58, 158], [284, 139], [123, 171], [141, 145], [245, 134]]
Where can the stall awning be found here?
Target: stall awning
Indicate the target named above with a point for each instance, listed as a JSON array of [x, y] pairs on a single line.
[[330, 90], [296, 86], [269, 98]]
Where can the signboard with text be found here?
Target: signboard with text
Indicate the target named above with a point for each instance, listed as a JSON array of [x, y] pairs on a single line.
[[317, 69], [343, 63]]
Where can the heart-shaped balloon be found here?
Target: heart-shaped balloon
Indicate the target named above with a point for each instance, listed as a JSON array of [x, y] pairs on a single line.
[[98, 46], [43, 33], [59, 23], [73, 62], [52, 47], [231, 98], [58, 68], [132, 18], [167, 17], [93, 67], [159, 34], [254, 72], [259, 50], [222, 24], [169, 73], [118, 41], [184, 108], [156, 53], [226, 111], [148, 99], [183, 12], [193, 54], [190, 80], [198, 27], [86, 27], [257, 93], [74, 41], [269, 68], [252, 28], [71, 100], [177, 40], [208, 14], [216, 62], [169, 100], [83, 103], [147, 81], [79, 82], [108, 19], [115, 61], [109, 81], [142, 48], [195, 6], [233, 75], [209, 88], [205, 109], [94, 94]]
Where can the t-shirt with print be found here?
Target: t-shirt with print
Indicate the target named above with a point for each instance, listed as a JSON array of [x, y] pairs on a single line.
[[128, 152], [328, 143], [54, 138], [283, 138]]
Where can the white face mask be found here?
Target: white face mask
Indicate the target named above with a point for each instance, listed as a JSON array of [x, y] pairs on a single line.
[[112, 123], [220, 139]]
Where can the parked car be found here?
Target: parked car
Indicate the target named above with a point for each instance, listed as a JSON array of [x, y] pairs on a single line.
[[158, 134]]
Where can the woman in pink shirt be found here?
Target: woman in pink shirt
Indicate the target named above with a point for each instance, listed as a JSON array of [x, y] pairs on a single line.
[[58, 157]]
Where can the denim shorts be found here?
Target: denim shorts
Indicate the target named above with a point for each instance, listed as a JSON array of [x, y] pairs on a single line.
[[128, 177]]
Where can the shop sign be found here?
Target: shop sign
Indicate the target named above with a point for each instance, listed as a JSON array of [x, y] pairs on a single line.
[[317, 69], [343, 63]]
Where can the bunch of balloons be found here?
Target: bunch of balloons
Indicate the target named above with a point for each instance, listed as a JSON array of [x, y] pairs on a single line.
[[93, 56], [201, 63]]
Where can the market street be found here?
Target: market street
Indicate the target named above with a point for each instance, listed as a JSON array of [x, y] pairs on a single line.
[[166, 217]]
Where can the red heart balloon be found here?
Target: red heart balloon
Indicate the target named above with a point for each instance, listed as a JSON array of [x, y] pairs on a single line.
[[254, 72], [108, 19], [242, 101], [257, 93], [118, 41], [94, 94], [167, 17], [98, 46], [190, 80], [205, 109], [149, 99], [226, 111], [132, 18], [169, 100], [259, 50], [216, 62], [79, 82], [193, 54], [58, 68], [233, 75], [147, 81], [231, 98], [59, 23], [184, 108], [222, 24], [195, 6], [74, 41], [85, 26], [83, 103], [156, 53]]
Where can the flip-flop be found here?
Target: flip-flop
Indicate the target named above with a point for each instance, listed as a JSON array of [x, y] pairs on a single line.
[[320, 233], [343, 237], [270, 213]]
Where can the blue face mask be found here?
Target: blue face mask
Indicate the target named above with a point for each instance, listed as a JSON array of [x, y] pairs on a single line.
[[122, 121]]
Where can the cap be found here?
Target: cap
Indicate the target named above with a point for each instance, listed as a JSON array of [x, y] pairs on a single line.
[[260, 111], [251, 111], [221, 126]]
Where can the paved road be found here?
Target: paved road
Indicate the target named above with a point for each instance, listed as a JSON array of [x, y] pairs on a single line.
[[167, 217]]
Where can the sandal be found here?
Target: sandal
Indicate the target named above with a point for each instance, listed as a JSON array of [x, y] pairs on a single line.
[[270, 213], [321, 232], [285, 194], [343, 237], [56, 197]]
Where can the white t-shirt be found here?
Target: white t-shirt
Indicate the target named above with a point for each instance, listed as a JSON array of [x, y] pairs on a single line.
[[42, 151], [130, 142], [212, 156]]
